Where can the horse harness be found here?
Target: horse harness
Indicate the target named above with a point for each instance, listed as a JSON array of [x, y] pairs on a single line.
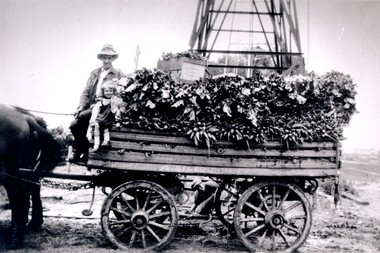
[[33, 159]]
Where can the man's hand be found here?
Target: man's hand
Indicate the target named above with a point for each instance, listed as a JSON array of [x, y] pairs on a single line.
[[76, 113]]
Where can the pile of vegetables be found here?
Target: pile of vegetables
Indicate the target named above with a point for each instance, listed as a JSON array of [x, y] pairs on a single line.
[[185, 54], [242, 110]]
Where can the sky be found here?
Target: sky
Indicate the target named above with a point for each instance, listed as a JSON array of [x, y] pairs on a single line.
[[48, 49]]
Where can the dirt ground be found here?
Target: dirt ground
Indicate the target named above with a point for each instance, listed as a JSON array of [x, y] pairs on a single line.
[[351, 227]]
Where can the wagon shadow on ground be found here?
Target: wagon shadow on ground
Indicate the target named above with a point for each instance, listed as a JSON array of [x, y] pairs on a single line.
[[86, 236]]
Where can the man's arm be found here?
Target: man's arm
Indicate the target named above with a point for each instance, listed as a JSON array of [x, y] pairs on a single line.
[[84, 101]]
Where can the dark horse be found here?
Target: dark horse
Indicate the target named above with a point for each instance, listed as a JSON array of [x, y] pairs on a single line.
[[26, 150]]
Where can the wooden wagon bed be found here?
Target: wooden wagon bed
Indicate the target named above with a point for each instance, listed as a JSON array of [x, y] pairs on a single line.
[[138, 150]]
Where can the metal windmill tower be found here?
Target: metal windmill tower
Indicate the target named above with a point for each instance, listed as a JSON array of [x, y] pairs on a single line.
[[248, 34]]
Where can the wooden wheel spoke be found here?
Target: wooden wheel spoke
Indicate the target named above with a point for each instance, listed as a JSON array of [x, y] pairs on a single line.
[[274, 240], [155, 206], [137, 201], [119, 222], [274, 198], [254, 230], [154, 234], [126, 202], [293, 228], [133, 237], [284, 198], [146, 200], [122, 231], [154, 216], [283, 236], [255, 208], [143, 239], [153, 223], [120, 211], [263, 201], [297, 217], [292, 206], [251, 219], [261, 240]]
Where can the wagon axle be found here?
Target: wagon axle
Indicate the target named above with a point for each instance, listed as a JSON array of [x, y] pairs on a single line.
[[274, 219], [139, 219]]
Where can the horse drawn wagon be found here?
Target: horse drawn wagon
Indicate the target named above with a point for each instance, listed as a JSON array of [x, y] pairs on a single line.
[[263, 196], [264, 186]]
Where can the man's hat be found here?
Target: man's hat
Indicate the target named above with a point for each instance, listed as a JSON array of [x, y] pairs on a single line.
[[108, 50]]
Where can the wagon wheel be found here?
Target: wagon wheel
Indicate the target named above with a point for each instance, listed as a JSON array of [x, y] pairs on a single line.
[[226, 197], [139, 215], [273, 216]]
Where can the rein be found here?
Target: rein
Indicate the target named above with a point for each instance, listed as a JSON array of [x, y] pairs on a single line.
[[54, 184], [51, 113], [43, 112]]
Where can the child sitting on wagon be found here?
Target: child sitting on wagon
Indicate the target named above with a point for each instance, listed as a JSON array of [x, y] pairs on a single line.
[[108, 107]]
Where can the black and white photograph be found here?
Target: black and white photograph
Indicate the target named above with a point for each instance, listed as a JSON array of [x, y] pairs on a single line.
[[189, 126]]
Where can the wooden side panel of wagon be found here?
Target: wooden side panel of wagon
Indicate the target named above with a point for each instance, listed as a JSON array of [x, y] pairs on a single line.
[[138, 150]]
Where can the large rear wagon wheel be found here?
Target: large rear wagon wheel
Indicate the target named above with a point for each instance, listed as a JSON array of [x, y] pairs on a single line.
[[139, 215], [273, 216]]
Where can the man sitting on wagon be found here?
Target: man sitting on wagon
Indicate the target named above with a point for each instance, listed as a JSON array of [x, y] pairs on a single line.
[[87, 101]]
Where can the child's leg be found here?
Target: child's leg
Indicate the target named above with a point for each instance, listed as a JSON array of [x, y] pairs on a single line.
[[96, 137], [106, 135], [89, 133]]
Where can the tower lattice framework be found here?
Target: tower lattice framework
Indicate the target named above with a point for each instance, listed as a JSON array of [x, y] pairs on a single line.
[[249, 35]]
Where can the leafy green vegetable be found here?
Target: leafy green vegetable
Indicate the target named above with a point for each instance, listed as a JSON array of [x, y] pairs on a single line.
[[243, 110]]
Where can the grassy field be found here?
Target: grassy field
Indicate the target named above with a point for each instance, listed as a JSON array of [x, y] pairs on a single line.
[[361, 171]]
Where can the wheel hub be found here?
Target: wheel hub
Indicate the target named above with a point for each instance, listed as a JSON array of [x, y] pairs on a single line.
[[139, 220], [274, 219]]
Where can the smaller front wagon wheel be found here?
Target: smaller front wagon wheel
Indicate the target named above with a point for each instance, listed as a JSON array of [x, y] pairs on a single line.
[[139, 215]]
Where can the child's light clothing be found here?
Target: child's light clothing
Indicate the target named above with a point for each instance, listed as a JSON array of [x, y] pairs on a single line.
[[103, 114]]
